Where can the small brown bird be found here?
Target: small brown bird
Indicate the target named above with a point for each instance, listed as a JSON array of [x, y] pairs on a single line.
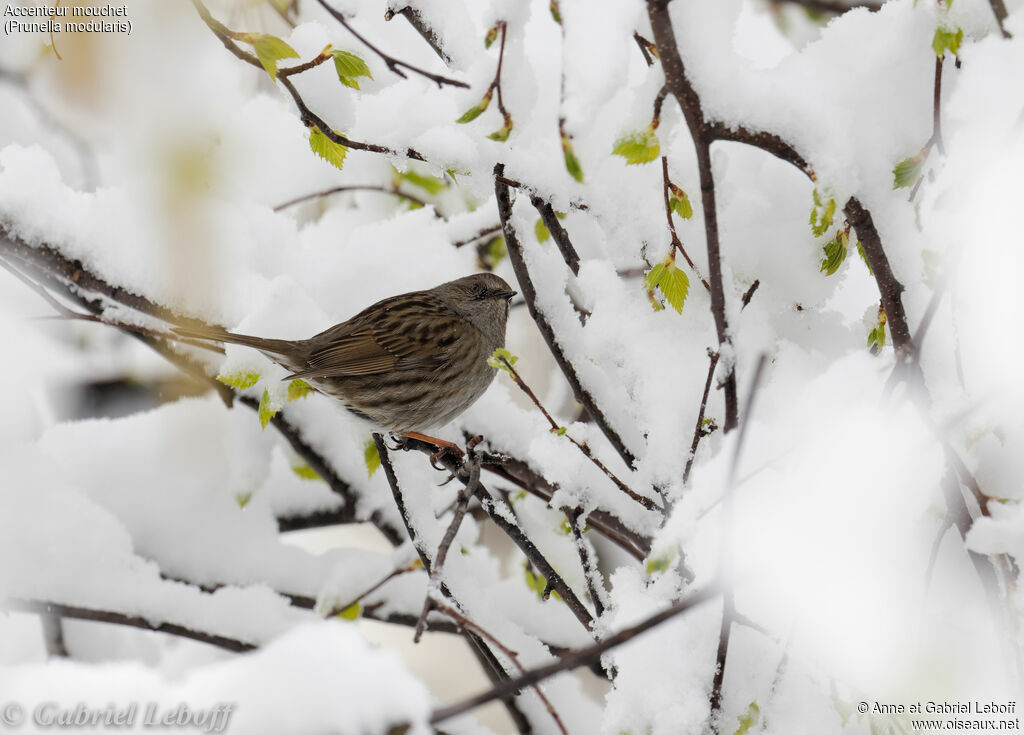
[[408, 363]]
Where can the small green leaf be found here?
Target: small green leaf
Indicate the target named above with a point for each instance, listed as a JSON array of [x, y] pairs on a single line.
[[556, 12], [352, 612], [639, 147], [908, 171], [491, 37], [495, 359], [822, 215], [497, 250], [572, 164], [243, 499], [876, 337], [515, 497], [947, 40], [265, 412], [305, 472], [561, 431], [240, 381], [681, 206], [672, 281], [428, 183], [541, 231], [476, 110], [298, 389], [350, 67], [835, 253], [502, 133], [748, 719], [565, 528], [327, 149], [371, 457], [864, 257], [269, 50], [656, 564]]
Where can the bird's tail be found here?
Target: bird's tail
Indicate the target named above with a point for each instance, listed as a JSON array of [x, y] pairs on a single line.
[[218, 334]]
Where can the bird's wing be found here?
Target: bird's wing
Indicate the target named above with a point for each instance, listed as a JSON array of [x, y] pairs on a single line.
[[398, 335]]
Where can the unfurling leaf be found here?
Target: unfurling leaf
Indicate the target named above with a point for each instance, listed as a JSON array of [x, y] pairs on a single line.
[[491, 37], [502, 133], [371, 457], [498, 359], [656, 564], [536, 582], [672, 281], [876, 337], [748, 719], [822, 215], [243, 499], [947, 40], [240, 381], [352, 612], [350, 67], [541, 231], [908, 171], [327, 149], [639, 147], [864, 257], [269, 50], [298, 389], [835, 253], [265, 412], [556, 12], [305, 472], [476, 110], [681, 205], [572, 164], [428, 183]]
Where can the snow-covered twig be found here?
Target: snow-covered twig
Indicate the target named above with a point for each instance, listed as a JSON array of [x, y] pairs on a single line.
[[515, 253], [558, 233], [574, 659], [698, 430]]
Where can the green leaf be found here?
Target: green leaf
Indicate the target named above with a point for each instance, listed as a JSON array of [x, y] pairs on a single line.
[[491, 37], [428, 183], [639, 147], [822, 215], [350, 67], [672, 281], [572, 164], [269, 50], [352, 612], [556, 12], [495, 359], [497, 250], [243, 499], [265, 412], [947, 40], [864, 257], [534, 581], [240, 381], [305, 472], [541, 231], [908, 171], [561, 431], [681, 206], [371, 457], [476, 110], [656, 564], [327, 149], [298, 389], [748, 719], [835, 253], [502, 133]]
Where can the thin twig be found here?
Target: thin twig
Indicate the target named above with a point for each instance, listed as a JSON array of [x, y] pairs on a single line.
[[582, 446], [647, 48], [676, 242], [698, 430], [574, 659], [558, 233], [515, 251], [395, 65], [591, 571], [337, 189]]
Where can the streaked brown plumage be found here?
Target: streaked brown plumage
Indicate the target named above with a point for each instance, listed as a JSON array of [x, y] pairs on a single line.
[[408, 363]]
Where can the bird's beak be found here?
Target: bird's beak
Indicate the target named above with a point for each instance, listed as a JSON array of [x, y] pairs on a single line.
[[507, 295]]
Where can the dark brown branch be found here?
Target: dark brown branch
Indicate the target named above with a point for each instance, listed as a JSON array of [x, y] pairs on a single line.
[[646, 48], [889, 287], [571, 660], [336, 189], [591, 571], [494, 229], [515, 252], [689, 101], [422, 27], [834, 7], [43, 607], [558, 233], [768, 142], [395, 65], [999, 11]]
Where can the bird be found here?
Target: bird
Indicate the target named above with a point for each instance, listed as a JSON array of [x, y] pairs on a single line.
[[409, 363]]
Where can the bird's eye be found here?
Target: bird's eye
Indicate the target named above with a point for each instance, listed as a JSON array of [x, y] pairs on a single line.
[[479, 292]]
